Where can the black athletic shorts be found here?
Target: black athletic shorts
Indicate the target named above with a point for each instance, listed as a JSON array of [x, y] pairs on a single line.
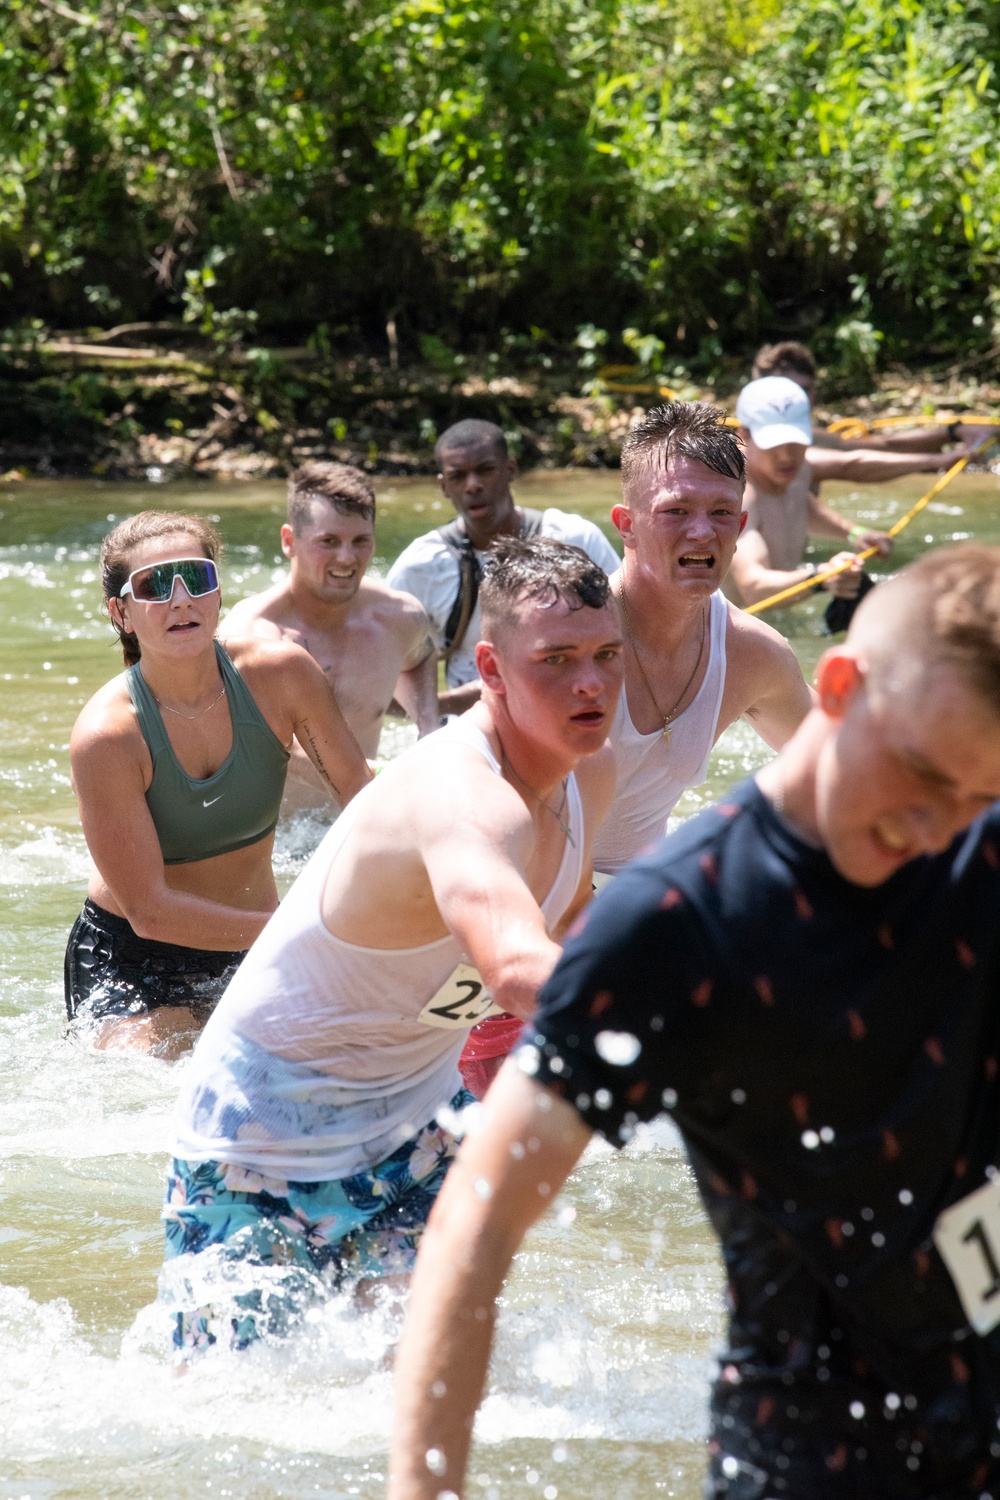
[[111, 971]]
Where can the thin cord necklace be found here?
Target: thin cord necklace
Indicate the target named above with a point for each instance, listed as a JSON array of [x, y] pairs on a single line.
[[668, 717], [190, 717], [564, 826]]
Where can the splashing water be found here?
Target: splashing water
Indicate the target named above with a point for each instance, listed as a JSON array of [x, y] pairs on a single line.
[[610, 1318]]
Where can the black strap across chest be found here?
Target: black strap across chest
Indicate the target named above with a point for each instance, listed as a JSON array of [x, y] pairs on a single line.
[[457, 541]]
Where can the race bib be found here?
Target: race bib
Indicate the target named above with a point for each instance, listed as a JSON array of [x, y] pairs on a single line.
[[967, 1236], [462, 1001]]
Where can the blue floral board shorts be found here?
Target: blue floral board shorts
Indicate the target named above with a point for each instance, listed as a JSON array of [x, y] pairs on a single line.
[[307, 1236]]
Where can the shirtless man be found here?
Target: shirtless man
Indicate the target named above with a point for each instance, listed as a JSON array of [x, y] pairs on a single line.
[[446, 883], [795, 361], [783, 477], [372, 642], [441, 569], [694, 663]]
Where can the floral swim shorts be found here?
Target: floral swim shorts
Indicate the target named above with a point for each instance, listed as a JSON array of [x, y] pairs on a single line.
[[303, 1235]]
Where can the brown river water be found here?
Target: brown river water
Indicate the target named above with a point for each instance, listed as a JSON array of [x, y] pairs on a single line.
[[614, 1308]]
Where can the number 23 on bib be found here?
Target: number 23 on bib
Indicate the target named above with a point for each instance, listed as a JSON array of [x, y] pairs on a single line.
[[462, 1001], [967, 1236]]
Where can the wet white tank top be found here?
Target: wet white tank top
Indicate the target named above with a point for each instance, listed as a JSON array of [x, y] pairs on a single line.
[[316, 1063], [652, 774]]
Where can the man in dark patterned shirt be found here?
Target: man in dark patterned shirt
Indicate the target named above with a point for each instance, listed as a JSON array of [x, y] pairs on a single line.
[[806, 978]]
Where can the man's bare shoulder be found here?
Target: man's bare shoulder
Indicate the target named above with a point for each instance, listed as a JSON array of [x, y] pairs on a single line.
[[756, 653], [451, 789], [392, 605], [267, 614]]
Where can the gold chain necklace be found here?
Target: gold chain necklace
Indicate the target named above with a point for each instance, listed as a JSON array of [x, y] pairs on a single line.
[[668, 717], [564, 827], [190, 717]]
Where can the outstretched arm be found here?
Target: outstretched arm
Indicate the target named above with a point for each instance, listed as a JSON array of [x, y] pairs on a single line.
[[860, 466], [476, 852], [505, 1176], [783, 698], [321, 728], [755, 577]]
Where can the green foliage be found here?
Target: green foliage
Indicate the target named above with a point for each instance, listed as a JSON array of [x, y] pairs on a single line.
[[484, 172]]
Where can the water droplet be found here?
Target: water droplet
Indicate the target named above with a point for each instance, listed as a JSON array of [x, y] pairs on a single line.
[[602, 1099], [439, 1389], [565, 1215], [790, 1205], [46, 666], [878, 1239], [550, 1492], [583, 1102], [619, 1048], [905, 1197], [669, 1098], [857, 1410], [516, 1150], [810, 1140], [738, 1096], [847, 1228], [892, 1401], [435, 1461], [559, 1453], [868, 1214], [826, 1134], [528, 1059], [730, 1466], [482, 1188], [531, 1477]]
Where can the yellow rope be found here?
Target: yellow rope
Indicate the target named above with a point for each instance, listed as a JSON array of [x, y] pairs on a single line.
[[832, 569], [852, 427], [611, 378]]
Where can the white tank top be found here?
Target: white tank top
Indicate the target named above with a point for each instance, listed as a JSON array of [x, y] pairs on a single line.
[[322, 1057], [652, 774]]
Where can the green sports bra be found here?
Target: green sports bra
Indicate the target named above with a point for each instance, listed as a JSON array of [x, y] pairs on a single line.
[[235, 807]]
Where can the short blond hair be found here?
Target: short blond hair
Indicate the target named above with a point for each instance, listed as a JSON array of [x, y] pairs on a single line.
[[942, 610]]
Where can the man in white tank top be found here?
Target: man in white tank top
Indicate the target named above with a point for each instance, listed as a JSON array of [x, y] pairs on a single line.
[[309, 1132], [694, 663]]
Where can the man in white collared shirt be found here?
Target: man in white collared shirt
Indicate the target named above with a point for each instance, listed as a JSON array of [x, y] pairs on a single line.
[[441, 569]]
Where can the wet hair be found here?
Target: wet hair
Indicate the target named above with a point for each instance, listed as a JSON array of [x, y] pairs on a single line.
[[541, 571], [120, 544], [464, 434], [942, 610], [788, 357], [690, 429], [347, 489]]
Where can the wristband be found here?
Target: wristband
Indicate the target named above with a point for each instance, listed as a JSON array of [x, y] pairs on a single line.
[[856, 533], [952, 430], [813, 570]]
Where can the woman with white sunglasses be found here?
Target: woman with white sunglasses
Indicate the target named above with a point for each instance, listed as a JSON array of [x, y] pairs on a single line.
[[179, 767]]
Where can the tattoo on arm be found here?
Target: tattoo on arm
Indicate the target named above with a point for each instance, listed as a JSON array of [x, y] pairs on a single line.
[[318, 761]]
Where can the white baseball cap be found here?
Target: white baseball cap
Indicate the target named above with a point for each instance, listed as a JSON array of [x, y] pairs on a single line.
[[775, 410]]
